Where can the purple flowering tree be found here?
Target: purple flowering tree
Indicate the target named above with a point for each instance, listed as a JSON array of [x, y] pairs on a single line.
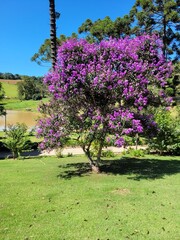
[[102, 90]]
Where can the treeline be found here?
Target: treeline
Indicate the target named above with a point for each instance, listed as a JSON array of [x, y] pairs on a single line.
[[145, 17], [31, 88], [11, 76], [160, 17]]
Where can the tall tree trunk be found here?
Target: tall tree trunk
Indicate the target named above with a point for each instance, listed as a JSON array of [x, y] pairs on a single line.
[[164, 37], [53, 32]]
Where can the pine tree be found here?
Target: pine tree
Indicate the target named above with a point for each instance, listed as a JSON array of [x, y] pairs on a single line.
[[163, 17]]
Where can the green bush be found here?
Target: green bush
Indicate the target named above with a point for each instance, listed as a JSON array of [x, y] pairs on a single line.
[[37, 96], [170, 91], [167, 139], [107, 153], [16, 139], [174, 149], [135, 152]]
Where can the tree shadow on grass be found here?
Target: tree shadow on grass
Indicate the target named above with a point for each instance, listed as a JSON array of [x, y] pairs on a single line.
[[7, 154], [71, 170], [135, 168]]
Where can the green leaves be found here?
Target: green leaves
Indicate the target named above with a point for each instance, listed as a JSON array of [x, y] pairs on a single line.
[[106, 28], [16, 139], [2, 111], [161, 16], [168, 137]]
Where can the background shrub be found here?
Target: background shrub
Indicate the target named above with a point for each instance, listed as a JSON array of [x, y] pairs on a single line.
[[167, 139]]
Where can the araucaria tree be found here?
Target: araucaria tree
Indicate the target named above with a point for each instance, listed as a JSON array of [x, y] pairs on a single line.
[[100, 91], [162, 16], [53, 31]]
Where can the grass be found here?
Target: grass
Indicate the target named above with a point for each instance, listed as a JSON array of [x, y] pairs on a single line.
[[12, 102], [10, 90], [50, 198], [15, 104], [2, 134]]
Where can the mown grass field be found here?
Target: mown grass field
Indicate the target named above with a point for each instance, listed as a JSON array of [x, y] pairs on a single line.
[[50, 198], [10, 88], [15, 104], [11, 102]]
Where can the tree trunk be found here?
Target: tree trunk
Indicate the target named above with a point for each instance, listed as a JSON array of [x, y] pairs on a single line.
[[95, 169], [136, 140], [15, 154], [164, 37], [53, 32], [93, 164], [100, 151]]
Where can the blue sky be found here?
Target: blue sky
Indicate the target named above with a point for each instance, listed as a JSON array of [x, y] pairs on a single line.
[[24, 25]]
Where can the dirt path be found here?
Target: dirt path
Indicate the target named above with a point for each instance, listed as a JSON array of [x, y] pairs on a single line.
[[78, 150], [65, 151]]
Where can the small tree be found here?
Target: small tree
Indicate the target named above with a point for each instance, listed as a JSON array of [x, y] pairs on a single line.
[[16, 138], [101, 90], [30, 88], [2, 110], [167, 139]]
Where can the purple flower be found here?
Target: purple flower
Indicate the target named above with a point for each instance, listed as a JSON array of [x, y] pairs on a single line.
[[119, 142], [103, 88]]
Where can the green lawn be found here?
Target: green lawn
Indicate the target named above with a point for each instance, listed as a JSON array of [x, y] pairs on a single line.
[[15, 104], [50, 198], [10, 89]]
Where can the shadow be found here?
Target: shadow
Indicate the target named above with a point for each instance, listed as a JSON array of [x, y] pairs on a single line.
[[33, 153], [74, 170], [136, 169], [6, 154]]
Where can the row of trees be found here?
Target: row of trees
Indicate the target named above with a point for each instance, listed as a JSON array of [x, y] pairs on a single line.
[[146, 16], [10, 76]]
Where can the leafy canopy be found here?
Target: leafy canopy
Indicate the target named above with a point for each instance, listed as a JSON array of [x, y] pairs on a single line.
[[162, 16]]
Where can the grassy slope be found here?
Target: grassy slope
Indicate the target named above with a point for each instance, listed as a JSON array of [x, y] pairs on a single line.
[[15, 104], [50, 198], [10, 90], [12, 102]]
